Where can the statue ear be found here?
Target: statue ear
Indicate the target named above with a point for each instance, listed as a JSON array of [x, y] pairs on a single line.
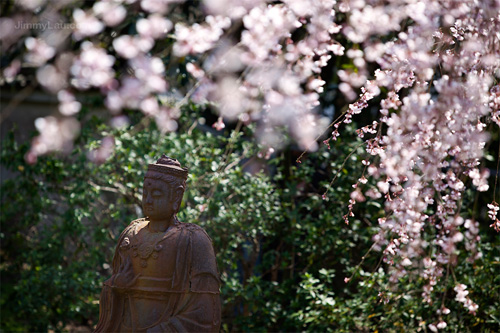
[[178, 192]]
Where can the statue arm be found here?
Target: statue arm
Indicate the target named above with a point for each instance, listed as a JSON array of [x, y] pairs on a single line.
[[110, 303]]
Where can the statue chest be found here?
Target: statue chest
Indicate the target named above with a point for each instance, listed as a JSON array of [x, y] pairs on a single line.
[[151, 254]]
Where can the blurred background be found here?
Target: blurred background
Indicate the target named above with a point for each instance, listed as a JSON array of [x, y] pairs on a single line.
[[272, 193], [283, 252]]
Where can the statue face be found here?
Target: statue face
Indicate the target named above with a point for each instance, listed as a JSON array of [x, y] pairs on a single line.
[[158, 201]]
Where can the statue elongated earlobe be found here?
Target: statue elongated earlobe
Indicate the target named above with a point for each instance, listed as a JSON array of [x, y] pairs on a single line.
[[178, 193]]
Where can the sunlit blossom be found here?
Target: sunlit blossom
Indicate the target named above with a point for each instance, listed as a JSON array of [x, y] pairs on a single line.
[[92, 68], [68, 105], [155, 6], [154, 26], [86, 24], [55, 135], [199, 38], [101, 154], [39, 51], [112, 13]]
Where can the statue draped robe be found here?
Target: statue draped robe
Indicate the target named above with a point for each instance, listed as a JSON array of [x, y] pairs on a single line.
[[176, 287]]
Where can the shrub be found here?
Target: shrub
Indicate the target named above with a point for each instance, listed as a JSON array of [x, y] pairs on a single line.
[[283, 252]]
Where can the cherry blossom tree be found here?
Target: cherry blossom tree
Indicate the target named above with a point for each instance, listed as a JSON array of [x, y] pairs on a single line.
[[430, 70]]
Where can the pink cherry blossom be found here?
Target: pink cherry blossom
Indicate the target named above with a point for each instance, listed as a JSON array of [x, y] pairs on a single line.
[[68, 105], [199, 38], [130, 47], [154, 26], [55, 135], [12, 70], [155, 6], [93, 67], [219, 124], [86, 24], [39, 51], [112, 13], [101, 154]]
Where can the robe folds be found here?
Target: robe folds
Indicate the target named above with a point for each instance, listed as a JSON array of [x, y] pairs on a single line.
[[176, 283]]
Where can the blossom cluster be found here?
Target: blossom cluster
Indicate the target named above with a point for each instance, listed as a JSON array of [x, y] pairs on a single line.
[[434, 135]]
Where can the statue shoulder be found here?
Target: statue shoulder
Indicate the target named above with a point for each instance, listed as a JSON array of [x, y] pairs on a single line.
[[133, 228], [197, 232], [200, 240], [191, 226]]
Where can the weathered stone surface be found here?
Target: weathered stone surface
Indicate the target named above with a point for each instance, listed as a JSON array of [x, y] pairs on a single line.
[[165, 275]]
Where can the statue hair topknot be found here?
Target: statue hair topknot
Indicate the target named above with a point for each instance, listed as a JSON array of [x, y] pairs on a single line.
[[168, 166]]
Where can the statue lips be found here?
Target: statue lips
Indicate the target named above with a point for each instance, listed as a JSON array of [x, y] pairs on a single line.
[[149, 208]]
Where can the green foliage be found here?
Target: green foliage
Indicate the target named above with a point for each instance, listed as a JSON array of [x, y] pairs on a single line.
[[283, 252]]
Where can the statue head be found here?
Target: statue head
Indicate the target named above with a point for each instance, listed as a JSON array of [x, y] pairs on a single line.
[[164, 186]]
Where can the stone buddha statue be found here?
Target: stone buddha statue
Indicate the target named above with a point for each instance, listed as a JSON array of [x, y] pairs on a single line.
[[165, 276]]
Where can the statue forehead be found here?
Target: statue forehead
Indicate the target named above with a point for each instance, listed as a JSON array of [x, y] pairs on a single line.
[[148, 182], [166, 178]]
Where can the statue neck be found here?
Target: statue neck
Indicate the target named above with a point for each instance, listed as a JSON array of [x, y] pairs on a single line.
[[161, 225]]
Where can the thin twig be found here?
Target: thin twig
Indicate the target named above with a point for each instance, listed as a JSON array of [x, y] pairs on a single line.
[[361, 262], [496, 176], [322, 133], [341, 167]]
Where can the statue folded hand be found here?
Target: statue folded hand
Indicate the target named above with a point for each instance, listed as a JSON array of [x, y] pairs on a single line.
[[125, 277]]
